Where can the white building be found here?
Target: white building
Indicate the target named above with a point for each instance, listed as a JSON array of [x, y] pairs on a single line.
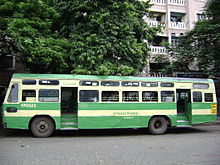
[[177, 17]]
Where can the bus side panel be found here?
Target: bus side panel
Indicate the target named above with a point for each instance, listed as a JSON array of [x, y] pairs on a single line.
[[121, 115], [203, 112], [26, 111]]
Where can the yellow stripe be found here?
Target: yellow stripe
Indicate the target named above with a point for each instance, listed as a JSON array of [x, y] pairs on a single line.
[[30, 113], [201, 111], [125, 113]]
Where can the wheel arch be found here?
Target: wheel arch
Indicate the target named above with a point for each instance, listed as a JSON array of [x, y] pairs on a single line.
[[36, 116]]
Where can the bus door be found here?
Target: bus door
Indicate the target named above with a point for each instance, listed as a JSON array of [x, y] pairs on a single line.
[[184, 106], [69, 107]]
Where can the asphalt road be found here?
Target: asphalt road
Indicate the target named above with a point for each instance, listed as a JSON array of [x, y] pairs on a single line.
[[198, 145]]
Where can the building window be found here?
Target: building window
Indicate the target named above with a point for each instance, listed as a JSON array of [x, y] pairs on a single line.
[[167, 96], [7, 61], [197, 96], [174, 40], [130, 96], [48, 95], [28, 95], [201, 17], [89, 96], [150, 96], [110, 96], [208, 97], [13, 96]]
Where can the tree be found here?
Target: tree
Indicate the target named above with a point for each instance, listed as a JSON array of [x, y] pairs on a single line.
[[200, 45], [26, 30], [107, 37], [76, 36]]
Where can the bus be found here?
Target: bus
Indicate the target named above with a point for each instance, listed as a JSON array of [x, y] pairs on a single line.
[[44, 103]]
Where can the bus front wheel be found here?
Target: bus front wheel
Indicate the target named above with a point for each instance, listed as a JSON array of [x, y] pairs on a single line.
[[42, 127], [158, 125]]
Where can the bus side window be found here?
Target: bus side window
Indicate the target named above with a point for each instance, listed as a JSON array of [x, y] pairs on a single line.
[[150, 96], [208, 97], [89, 96], [111, 96], [167, 96], [130, 96], [48, 95], [13, 96], [197, 96], [28, 95]]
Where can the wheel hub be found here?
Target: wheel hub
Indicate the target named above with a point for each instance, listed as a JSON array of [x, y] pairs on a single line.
[[42, 126]]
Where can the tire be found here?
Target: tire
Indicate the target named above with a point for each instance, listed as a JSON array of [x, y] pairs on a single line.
[[158, 125], [42, 127]]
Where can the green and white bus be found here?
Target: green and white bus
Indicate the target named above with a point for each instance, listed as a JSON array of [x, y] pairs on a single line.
[[44, 103]]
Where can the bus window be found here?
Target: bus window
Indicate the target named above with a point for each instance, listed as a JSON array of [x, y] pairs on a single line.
[[109, 83], [208, 97], [200, 86], [49, 82], [89, 96], [149, 84], [197, 96], [150, 96], [166, 84], [112, 96], [130, 84], [28, 95], [13, 96], [48, 95], [89, 83], [167, 96], [130, 96], [29, 82]]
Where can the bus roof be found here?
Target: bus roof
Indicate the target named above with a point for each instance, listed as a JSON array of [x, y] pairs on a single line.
[[107, 78]]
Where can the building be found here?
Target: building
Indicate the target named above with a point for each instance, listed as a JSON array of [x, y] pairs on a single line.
[[176, 17]]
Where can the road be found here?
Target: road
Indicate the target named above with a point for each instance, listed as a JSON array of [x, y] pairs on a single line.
[[198, 145]]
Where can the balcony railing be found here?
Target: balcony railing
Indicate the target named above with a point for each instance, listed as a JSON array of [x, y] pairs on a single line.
[[158, 2], [156, 23], [178, 25], [177, 2], [158, 50]]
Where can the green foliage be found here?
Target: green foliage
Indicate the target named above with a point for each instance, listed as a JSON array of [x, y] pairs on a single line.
[[26, 30], [76, 36], [107, 37], [200, 45]]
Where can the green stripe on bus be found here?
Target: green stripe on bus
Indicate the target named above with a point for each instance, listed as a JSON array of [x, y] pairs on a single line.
[[201, 105], [196, 119], [126, 106], [34, 106], [23, 122], [116, 122]]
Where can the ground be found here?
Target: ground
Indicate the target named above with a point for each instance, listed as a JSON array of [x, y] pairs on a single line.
[[197, 145]]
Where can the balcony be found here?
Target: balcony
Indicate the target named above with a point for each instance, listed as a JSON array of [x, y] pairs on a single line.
[[159, 2], [158, 50], [177, 2], [178, 25], [156, 23]]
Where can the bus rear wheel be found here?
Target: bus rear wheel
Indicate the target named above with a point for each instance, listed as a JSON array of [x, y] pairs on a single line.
[[42, 127], [158, 125]]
